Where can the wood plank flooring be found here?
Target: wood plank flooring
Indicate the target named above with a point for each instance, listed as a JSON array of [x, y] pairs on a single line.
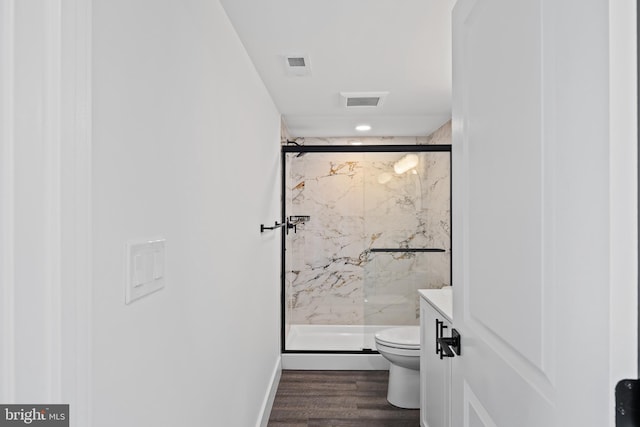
[[337, 399]]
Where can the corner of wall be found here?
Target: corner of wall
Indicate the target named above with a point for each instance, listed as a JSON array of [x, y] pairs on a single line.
[[270, 395], [284, 131], [442, 135]]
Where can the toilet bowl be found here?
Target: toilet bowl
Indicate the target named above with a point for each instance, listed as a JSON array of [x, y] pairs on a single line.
[[401, 347]]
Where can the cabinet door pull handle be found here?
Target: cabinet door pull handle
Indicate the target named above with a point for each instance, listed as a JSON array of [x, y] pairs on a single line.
[[450, 346], [440, 327], [437, 336]]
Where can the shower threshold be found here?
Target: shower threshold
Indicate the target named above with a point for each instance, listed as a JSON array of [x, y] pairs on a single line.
[[325, 346]]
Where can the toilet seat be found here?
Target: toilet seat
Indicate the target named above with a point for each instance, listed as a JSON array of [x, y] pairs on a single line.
[[407, 337], [397, 351]]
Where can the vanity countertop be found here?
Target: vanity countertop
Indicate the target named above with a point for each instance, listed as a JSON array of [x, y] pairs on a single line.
[[440, 299]]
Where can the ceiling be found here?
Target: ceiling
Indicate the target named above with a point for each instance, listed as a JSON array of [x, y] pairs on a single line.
[[402, 47]]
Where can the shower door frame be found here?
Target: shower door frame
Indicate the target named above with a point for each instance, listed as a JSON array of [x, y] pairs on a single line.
[[425, 148]]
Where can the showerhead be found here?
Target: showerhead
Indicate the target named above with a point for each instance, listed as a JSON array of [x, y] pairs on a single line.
[[300, 154]]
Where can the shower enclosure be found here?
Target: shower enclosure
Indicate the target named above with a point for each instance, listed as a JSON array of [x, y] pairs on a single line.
[[368, 227]]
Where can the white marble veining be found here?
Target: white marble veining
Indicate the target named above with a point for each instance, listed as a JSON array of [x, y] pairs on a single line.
[[357, 203]]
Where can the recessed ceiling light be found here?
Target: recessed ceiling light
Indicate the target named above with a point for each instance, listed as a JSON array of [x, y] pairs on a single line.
[[363, 128], [356, 142]]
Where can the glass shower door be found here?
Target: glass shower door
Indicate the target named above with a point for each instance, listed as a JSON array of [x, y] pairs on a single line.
[[407, 222], [323, 261]]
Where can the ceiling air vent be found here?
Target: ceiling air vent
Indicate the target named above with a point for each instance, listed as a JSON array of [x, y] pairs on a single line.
[[296, 62], [369, 101], [297, 65], [363, 99]]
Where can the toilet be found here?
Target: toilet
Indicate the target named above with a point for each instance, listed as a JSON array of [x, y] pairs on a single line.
[[401, 347]]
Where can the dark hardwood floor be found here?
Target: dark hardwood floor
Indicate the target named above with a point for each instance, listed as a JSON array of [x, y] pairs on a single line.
[[337, 399]]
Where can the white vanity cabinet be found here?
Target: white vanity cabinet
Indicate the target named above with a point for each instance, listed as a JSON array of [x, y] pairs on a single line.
[[435, 372]]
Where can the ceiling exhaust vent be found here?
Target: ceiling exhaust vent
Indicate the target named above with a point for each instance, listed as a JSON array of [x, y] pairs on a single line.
[[363, 99], [297, 65]]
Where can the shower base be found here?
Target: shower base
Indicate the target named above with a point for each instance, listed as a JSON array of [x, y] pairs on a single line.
[[316, 344]]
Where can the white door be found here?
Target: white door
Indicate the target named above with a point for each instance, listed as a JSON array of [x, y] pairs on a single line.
[[536, 221]]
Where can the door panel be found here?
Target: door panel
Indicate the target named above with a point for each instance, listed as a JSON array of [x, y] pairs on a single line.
[[505, 222], [475, 415], [506, 175]]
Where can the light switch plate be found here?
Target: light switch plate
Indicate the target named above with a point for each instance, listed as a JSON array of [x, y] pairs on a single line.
[[145, 268]]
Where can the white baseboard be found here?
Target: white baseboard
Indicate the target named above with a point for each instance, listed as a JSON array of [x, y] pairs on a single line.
[[334, 362], [267, 403]]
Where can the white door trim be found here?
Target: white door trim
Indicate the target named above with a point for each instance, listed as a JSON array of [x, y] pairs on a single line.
[[58, 37], [7, 356], [76, 159], [53, 151]]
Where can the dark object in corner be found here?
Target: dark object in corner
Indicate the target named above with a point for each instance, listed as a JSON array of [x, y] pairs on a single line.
[[628, 403]]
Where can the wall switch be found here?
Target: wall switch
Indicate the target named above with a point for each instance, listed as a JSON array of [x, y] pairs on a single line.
[[138, 270], [145, 268], [158, 262]]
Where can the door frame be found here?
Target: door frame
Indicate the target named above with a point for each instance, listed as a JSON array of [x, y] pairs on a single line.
[[337, 149], [59, 38]]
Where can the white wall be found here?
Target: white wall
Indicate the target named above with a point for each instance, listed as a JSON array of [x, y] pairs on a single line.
[[185, 146]]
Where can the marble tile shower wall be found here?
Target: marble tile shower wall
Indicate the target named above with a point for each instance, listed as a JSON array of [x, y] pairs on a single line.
[[332, 277]]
